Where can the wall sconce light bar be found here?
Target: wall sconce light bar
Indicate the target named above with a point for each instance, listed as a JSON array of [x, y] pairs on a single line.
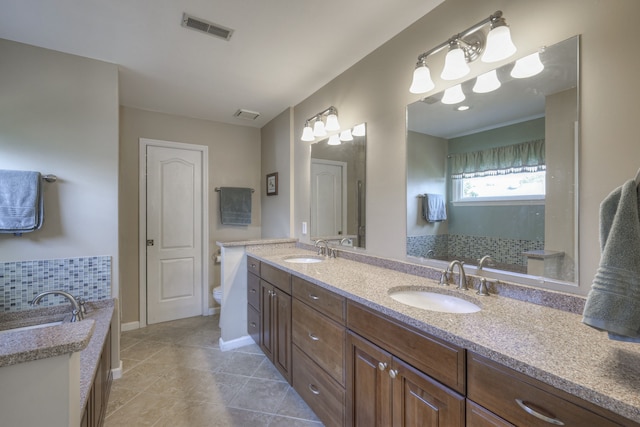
[[317, 127], [466, 47]]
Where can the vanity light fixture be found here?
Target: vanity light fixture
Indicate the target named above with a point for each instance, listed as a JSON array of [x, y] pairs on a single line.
[[359, 130], [453, 95], [334, 140], [466, 47], [487, 82], [528, 66], [346, 135], [321, 128]]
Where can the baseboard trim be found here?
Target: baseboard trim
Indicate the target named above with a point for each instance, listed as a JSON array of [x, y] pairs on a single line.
[[213, 310], [129, 326], [236, 343], [117, 372]]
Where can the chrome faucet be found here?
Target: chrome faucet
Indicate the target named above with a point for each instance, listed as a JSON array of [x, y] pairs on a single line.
[[485, 260], [77, 311], [318, 244], [462, 278]]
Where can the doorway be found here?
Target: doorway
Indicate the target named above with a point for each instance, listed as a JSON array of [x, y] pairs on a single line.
[[173, 231], [328, 198]]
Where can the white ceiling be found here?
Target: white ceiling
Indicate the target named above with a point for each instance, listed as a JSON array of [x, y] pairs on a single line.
[[281, 51]]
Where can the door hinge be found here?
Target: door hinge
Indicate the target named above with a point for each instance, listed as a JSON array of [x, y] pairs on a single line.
[[150, 242]]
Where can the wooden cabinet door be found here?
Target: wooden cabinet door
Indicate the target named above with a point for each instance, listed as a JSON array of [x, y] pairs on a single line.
[[266, 307], [421, 401], [368, 384], [281, 332]]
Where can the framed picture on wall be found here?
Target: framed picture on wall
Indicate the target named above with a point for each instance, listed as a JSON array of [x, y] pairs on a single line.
[[272, 184]]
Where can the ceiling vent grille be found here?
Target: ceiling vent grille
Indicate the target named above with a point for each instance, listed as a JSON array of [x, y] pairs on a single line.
[[207, 27], [246, 114]]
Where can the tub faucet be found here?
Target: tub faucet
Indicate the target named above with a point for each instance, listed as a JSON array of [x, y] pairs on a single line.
[[77, 311], [462, 278]]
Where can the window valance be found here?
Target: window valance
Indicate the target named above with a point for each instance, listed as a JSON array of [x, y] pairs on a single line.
[[523, 157]]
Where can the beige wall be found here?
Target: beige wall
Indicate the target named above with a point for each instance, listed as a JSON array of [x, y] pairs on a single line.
[[375, 91], [276, 139], [234, 161], [59, 115]]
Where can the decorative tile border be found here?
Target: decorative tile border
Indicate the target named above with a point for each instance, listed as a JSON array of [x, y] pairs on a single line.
[[21, 281]]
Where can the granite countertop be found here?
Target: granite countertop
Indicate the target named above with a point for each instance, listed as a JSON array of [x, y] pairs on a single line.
[[86, 336], [548, 344]]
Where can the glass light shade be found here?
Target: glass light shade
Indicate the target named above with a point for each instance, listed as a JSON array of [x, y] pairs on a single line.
[[487, 82], [318, 128], [332, 123], [334, 140], [499, 45], [453, 95], [527, 67], [307, 134], [455, 66], [359, 130], [345, 135], [421, 80]]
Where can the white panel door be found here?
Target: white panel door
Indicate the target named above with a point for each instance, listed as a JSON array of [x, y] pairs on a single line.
[[328, 198], [174, 233]]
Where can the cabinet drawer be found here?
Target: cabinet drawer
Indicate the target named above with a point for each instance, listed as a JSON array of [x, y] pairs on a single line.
[[497, 387], [253, 265], [320, 338], [253, 291], [439, 359], [321, 299], [253, 324], [278, 278], [477, 416], [323, 395]]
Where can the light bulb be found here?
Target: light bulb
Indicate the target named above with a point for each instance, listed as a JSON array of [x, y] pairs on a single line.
[[334, 140], [318, 128], [332, 123], [359, 130], [487, 82], [345, 135], [307, 133], [455, 65], [421, 79], [453, 95], [499, 44], [527, 67]]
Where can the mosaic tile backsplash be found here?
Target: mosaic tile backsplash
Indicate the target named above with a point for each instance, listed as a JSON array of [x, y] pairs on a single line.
[[21, 281]]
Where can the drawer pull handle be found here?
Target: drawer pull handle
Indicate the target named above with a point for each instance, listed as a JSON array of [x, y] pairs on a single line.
[[313, 337], [253, 324], [253, 265], [393, 373], [537, 414], [314, 297], [314, 389], [382, 366], [253, 291]]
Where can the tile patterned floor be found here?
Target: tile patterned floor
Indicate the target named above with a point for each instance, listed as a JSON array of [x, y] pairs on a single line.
[[174, 374]]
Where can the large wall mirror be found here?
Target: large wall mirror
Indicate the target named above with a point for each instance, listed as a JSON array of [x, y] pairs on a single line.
[[495, 174], [338, 173]]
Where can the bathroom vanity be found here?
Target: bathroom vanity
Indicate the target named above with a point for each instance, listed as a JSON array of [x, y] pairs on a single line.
[[361, 358]]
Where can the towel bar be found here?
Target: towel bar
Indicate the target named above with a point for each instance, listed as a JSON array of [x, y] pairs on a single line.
[[218, 190], [50, 178]]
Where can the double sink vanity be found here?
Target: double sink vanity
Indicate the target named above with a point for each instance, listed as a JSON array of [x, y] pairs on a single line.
[[347, 334]]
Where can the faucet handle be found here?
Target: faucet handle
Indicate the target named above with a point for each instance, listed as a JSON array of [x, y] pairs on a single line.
[[444, 278], [81, 303], [483, 288]]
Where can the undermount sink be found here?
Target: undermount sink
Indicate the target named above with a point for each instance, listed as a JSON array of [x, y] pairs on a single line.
[[433, 301], [304, 259], [26, 328]]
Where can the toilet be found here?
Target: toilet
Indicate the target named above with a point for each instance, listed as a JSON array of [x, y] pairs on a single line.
[[217, 295]]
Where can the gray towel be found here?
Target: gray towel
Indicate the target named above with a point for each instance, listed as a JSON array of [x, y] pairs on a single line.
[[21, 203], [235, 205], [613, 304], [434, 208]]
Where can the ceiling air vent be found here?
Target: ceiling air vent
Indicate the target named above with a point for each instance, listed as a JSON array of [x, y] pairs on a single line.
[[246, 114], [210, 28]]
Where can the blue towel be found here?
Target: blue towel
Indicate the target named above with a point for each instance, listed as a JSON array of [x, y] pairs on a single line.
[[434, 208], [235, 206], [21, 202], [613, 304]]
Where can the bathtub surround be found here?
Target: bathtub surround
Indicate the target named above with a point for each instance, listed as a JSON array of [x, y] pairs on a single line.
[[86, 277]]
